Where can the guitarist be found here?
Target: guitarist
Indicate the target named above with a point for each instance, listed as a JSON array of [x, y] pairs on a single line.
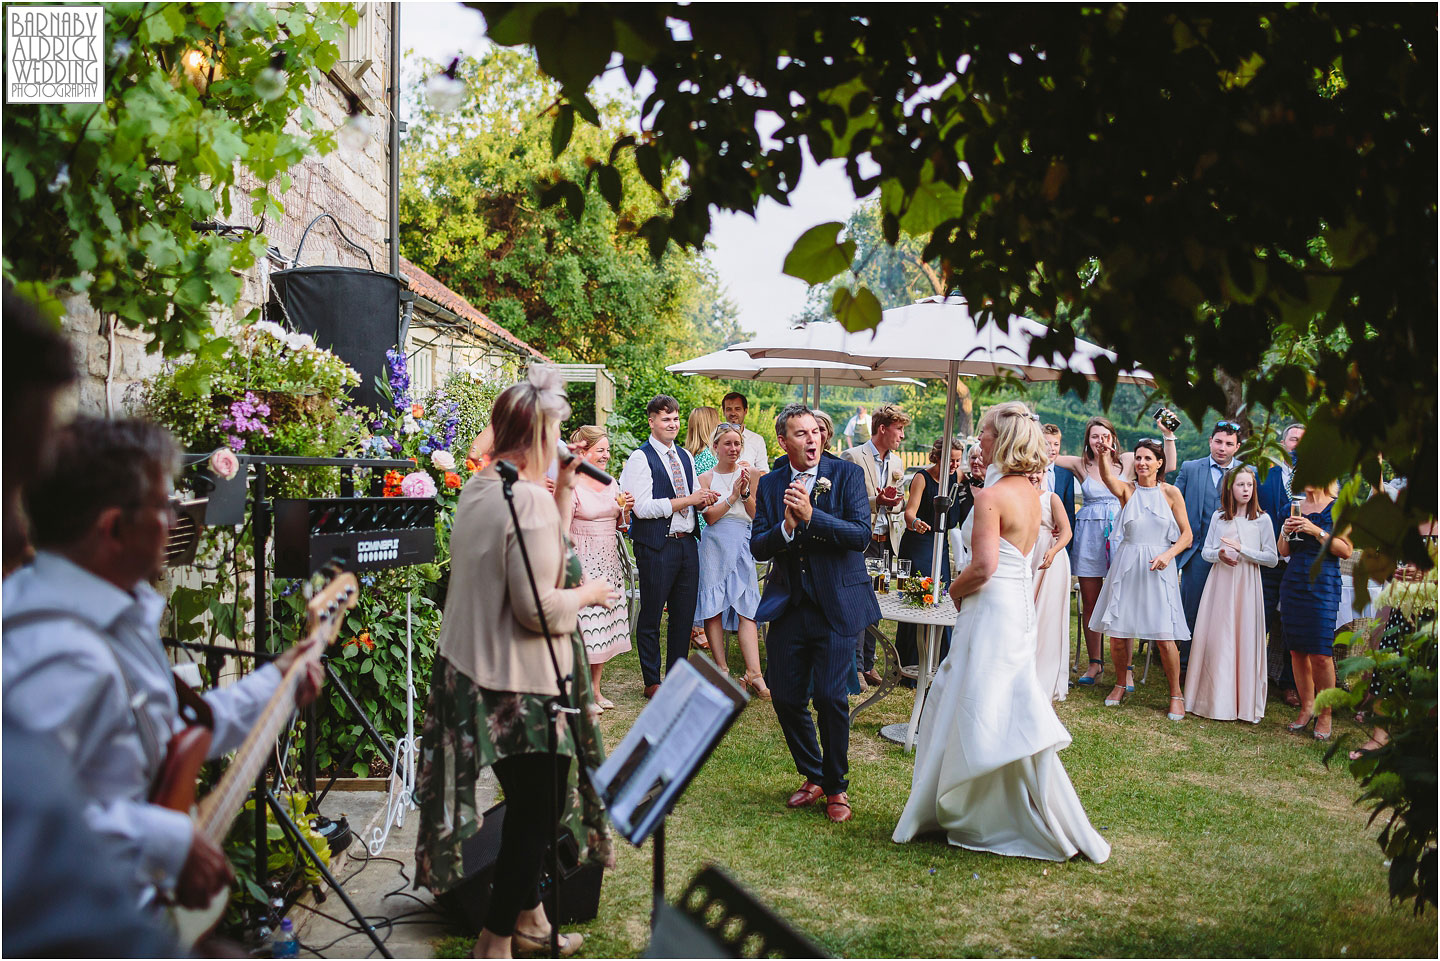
[[83, 662]]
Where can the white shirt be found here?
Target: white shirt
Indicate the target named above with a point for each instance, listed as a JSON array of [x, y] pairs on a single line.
[[1047, 480], [809, 476], [755, 451], [637, 481], [63, 677]]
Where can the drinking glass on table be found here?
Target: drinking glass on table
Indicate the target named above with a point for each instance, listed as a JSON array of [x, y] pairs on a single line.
[[905, 565]]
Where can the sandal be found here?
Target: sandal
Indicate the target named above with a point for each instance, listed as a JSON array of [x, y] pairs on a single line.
[[1130, 680], [1116, 701], [756, 683], [1369, 747], [522, 943], [1171, 714], [698, 640], [605, 702], [1087, 677]]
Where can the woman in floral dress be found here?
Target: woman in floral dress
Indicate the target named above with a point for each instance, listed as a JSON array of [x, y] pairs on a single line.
[[493, 678], [597, 511]]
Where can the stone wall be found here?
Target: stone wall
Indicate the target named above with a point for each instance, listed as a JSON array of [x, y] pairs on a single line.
[[351, 185]]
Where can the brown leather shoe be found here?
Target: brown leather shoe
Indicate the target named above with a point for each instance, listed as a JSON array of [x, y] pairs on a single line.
[[809, 793], [871, 677], [837, 807], [650, 690], [1292, 697]]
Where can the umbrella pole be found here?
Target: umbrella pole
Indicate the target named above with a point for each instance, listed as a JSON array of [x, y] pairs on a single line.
[[941, 545], [817, 388]]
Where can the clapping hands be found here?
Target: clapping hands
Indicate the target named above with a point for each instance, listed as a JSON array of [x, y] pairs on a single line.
[[798, 509]]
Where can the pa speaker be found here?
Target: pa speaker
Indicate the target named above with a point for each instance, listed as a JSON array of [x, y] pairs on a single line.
[[468, 901], [353, 312]]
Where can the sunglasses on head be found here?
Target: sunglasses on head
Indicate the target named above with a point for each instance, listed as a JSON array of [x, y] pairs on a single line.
[[1228, 425]]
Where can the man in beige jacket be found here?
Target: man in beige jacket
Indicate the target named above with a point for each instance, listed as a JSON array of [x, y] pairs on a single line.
[[879, 460]]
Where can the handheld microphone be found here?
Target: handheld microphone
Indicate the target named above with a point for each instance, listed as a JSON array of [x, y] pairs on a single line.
[[586, 468]]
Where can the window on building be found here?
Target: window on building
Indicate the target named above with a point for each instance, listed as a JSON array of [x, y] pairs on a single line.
[[422, 371]]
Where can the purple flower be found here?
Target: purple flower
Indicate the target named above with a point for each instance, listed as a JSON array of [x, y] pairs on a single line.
[[236, 443], [399, 378]]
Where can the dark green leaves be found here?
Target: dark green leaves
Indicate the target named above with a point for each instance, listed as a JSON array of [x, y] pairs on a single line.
[[819, 255], [560, 133], [856, 312], [573, 48]]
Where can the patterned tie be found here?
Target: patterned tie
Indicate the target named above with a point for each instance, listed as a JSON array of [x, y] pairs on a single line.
[[677, 480], [807, 478]]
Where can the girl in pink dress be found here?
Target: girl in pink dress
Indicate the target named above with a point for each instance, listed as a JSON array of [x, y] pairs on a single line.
[[1227, 677], [597, 513]]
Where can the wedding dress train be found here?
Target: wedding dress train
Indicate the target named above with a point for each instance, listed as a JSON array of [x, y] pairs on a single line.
[[987, 771]]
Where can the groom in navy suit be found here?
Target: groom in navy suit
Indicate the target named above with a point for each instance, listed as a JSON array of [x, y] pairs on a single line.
[[812, 519]]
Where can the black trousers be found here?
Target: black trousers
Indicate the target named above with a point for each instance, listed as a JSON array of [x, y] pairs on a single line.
[[669, 578], [529, 783]]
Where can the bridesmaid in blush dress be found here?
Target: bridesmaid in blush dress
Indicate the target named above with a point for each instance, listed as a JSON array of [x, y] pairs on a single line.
[[596, 514], [1226, 680], [1050, 567]]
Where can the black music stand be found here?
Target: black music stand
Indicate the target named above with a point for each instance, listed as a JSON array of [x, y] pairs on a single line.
[[702, 924], [643, 778]]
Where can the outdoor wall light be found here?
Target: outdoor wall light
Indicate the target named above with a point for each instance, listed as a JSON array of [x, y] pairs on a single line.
[[354, 133], [445, 91]]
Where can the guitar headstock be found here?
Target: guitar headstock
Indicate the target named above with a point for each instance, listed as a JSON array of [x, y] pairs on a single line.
[[325, 611]]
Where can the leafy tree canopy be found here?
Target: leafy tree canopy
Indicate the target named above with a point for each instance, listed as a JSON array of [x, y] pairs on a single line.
[[1205, 184], [105, 198], [486, 206]]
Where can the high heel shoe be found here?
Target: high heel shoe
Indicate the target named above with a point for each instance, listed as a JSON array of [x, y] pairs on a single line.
[[1299, 726], [1171, 714], [1323, 736], [756, 683], [1129, 680], [1116, 701], [1086, 678]]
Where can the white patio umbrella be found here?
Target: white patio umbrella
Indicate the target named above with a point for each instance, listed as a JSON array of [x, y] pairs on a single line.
[[933, 338], [733, 364]]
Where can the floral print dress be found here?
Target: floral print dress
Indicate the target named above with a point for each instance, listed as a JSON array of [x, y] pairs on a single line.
[[468, 728]]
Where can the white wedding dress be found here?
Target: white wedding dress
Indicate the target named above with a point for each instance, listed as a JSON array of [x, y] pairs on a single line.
[[987, 771]]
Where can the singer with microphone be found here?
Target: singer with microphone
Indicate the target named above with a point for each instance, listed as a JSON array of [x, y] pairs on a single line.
[[496, 673]]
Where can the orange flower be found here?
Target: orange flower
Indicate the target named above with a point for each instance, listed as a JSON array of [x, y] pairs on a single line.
[[929, 598], [470, 465], [392, 484], [417, 410], [362, 641], [452, 479], [928, 582]]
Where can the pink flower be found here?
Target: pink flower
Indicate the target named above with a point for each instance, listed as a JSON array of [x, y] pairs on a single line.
[[443, 460], [224, 463], [418, 484]]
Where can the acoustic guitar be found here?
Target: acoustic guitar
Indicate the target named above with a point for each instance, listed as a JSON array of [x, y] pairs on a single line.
[[175, 787]]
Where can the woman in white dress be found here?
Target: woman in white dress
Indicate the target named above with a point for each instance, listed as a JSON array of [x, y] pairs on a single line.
[[986, 769], [1226, 679], [1141, 596], [1095, 523], [1050, 567]]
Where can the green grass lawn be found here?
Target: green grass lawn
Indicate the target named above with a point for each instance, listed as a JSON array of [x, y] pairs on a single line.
[[1227, 840]]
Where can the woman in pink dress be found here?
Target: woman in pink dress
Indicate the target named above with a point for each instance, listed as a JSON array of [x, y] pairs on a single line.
[[1227, 677], [597, 513]]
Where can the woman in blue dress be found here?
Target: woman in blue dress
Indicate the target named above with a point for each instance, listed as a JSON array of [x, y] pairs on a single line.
[[918, 543], [1309, 600]]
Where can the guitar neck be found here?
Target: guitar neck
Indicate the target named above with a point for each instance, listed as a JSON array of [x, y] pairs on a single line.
[[217, 810]]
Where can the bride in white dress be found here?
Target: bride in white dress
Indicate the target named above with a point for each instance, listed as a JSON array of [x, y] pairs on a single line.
[[987, 771]]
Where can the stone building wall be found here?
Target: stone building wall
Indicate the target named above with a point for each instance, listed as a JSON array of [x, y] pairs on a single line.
[[351, 185]]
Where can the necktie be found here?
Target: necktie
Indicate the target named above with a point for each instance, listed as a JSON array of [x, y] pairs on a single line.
[[807, 478], [677, 480]]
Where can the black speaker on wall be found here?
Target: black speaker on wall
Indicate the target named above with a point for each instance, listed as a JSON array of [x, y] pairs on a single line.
[[353, 312], [468, 900]]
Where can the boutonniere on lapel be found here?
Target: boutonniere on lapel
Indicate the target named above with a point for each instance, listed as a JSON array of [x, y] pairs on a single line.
[[822, 486]]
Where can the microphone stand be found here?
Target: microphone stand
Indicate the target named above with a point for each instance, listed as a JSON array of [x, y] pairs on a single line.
[[555, 706]]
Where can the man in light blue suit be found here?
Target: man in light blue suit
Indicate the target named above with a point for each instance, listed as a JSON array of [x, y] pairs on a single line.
[[1199, 482]]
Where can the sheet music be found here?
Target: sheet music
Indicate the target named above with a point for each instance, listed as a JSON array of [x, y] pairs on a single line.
[[641, 778]]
